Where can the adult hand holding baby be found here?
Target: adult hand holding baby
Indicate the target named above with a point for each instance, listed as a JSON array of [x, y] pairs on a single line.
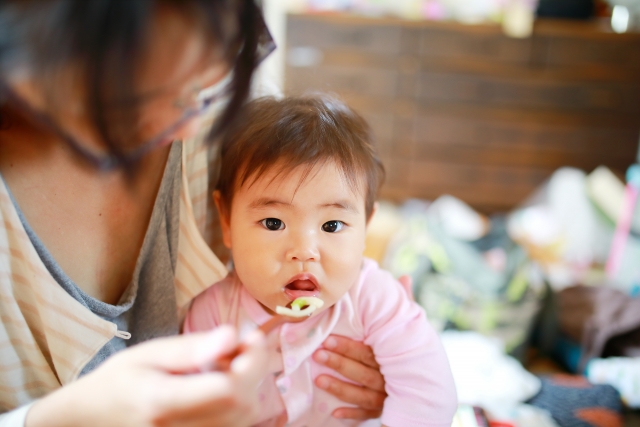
[[160, 383], [355, 361]]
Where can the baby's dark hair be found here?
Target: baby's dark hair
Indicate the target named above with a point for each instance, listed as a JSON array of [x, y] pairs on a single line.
[[298, 131]]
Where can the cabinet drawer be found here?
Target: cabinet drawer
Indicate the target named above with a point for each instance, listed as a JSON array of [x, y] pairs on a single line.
[[446, 44], [577, 53], [332, 35], [342, 80], [529, 94]]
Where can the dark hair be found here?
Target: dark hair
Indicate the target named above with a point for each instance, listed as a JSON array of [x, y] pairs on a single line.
[[106, 38], [299, 131]]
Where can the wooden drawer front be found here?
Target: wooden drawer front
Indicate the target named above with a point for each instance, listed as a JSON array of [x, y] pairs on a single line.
[[498, 134], [487, 187], [584, 53], [496, 142], [343, 80], [443, 44], [610, 52], [424, 174], [493, 164], [480, 90], [362, 38]]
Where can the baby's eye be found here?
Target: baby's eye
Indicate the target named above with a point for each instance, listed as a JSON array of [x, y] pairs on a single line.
[[272, 224], [332, 226]]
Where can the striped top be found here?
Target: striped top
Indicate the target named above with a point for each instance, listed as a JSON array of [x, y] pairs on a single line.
[[46, 336]]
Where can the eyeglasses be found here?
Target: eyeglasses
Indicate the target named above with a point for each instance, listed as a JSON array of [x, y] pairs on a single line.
[[199, 104], [200, 99]]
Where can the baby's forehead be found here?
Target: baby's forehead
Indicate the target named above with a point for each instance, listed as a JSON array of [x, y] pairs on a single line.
[[322, 179]]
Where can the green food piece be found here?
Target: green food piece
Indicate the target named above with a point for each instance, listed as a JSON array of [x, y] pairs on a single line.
[[298, 303]]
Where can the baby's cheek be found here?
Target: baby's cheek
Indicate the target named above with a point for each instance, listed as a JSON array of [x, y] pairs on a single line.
[[344, 272]]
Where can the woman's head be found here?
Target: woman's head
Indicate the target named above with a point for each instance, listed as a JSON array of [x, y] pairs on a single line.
[[112, 74]]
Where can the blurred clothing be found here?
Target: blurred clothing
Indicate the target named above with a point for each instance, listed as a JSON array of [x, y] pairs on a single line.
[[603, 319], [47, 337]]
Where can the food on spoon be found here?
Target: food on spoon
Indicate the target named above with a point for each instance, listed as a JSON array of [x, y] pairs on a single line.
[[310, 305]]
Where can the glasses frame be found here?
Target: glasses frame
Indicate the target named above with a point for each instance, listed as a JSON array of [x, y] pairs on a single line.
[[204, 98]]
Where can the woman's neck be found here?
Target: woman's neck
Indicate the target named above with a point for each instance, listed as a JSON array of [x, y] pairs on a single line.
[[93, 223]]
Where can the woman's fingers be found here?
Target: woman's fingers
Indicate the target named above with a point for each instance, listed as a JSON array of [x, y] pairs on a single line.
[[355, 361], [351, 349], [163, 382], [251, 363], [173, 380], [227, 388], [188, 393], [362, 374], [185, 353], [362, 397]]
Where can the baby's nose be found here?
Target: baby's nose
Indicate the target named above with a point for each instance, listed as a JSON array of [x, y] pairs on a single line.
[[304, 250]]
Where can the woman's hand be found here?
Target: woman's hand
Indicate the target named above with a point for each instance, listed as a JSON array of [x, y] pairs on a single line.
[[355, 361], [160, 383]]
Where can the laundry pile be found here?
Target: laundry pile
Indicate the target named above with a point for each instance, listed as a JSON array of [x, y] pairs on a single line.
[[561, 273]]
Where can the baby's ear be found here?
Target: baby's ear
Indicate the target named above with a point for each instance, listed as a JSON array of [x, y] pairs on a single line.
[[225, 220]]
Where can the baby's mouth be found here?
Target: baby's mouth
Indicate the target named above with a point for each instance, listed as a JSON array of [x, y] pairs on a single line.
[[304, 285]]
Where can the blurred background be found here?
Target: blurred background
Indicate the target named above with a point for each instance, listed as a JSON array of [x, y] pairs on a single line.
[[510, 133]]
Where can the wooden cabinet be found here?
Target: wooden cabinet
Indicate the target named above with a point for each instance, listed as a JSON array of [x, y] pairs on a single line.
[[467, 111]]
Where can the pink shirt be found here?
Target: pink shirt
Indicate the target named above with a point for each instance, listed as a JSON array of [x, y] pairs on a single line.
[[376, 311]]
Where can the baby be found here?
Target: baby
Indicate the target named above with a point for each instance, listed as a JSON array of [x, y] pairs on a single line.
[[297, 187]]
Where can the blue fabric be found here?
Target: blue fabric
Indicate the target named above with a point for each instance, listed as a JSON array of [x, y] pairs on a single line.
[[573, 402]]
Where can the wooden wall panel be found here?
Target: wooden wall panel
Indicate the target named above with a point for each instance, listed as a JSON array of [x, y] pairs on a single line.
[[358, 36], [454, 87], [467, 111]]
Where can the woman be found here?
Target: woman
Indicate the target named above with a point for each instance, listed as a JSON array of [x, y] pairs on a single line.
[[99, 241]]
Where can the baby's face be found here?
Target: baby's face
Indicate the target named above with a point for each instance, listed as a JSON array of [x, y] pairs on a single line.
[[289, 241]]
